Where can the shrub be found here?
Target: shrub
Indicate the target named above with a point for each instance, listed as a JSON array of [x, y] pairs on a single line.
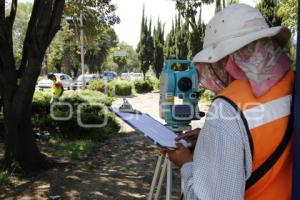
[[123, 88], [154, 82], [98, 85], [207, 96], [143, 86], [92, 110], [40, 103], [4, 178]]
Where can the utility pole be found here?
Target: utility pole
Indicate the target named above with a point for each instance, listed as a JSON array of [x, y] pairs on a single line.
[[82, 48]]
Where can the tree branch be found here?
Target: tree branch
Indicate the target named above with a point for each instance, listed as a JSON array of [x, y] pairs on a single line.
[[2, 9], [13, 11], [56, 18], [28, 38]]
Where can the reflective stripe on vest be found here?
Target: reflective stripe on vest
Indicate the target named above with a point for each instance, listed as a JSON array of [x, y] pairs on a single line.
[[266, 120], [268, 112]]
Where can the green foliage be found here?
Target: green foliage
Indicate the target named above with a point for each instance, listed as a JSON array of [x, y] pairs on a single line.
[[75, 149], [19, 29], [99, 49], [62, 55], [196, 37], [232, 2], [145, 47], [132, 61], [60, 48], [144, 86], [88, 106], [207, 96], [158, 56], [97, 14], [4, 178], [121, 61], [109, 64], [123, 88], [98, 85], [154, 82], [181, 39], [288, 11], [190, 8], [185, 39], [269, 9]]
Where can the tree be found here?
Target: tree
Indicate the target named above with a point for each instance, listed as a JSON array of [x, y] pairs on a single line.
[[97, 15], [269, 9], [60, 48], [132, 64], [189, 11], [121, 61], [158, 56], [145, 46], [170, 47], [18, 82], [288, 11], [197, 37], [229, 2], [19, 29], [181, 39], [99, 50]]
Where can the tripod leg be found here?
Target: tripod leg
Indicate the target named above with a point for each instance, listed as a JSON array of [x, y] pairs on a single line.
[[169, 181], [162, 177], [155, 177]]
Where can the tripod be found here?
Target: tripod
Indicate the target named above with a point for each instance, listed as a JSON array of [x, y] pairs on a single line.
[[163, 166]]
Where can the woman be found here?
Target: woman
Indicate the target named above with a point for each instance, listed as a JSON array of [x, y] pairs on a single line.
[[244, 148]]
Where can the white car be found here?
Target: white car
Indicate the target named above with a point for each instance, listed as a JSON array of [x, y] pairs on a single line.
[[131, 76], [87, 79], [65, 79]]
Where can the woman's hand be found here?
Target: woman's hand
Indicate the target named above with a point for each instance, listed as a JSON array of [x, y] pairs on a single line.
[[181, 155], [191, 137]]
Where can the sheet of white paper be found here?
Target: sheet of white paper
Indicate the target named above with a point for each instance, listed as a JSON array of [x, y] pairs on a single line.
[[151, 128]]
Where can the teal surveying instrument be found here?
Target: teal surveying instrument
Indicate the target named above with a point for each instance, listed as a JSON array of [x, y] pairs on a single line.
[[183, 85], [178, 106]]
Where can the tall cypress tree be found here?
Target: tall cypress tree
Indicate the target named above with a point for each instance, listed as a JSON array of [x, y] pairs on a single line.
[[145, 46], [170, 48], [196, 37], [181, 39], [158, 57]]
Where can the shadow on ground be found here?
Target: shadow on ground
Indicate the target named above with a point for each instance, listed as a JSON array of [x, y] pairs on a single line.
[[121, 168]]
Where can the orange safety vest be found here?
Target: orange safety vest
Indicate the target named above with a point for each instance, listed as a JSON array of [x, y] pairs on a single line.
[[266, 119]]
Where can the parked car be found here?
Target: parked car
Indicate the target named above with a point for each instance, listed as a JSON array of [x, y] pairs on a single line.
[[131, 76], [125, 76], [65, 79], [109, 75], [78, 83]]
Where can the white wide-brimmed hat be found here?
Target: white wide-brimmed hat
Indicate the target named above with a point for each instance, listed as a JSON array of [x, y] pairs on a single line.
[[235, 27]]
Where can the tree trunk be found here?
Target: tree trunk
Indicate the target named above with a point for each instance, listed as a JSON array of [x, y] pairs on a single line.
[[20, 144]]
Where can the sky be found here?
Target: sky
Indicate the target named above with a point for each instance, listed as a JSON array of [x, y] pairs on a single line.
[[130, 13]]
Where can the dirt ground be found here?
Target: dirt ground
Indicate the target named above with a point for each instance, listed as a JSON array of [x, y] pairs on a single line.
[[120, 168]]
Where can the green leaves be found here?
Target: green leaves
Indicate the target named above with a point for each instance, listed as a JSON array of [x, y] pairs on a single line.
[[288, 11], [269, 9], [145, 46]]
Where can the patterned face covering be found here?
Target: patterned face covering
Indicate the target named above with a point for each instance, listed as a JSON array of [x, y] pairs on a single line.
[[214, 76], [262, 63]]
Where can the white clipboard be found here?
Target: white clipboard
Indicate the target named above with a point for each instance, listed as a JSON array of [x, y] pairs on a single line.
[[151, 128]]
